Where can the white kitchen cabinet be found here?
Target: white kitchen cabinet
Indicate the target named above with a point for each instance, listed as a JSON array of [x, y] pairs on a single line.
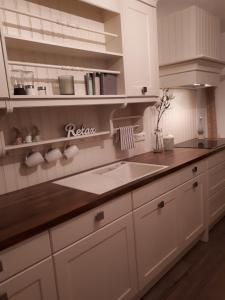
[[35, 283], [156, 234], [191, 209], [140, 49], [100, 266], [216, 186]]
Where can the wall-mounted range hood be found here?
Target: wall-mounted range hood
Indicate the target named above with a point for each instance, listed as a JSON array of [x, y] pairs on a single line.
[[199, 72], [189, 49]]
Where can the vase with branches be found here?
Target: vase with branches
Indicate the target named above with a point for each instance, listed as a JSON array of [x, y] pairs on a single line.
[[161, 107]]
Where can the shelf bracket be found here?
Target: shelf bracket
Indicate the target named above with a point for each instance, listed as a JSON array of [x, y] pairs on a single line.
[[112, 131], [2, 145]]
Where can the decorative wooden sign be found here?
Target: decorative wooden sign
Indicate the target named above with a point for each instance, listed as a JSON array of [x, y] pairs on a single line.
[[72, 130]]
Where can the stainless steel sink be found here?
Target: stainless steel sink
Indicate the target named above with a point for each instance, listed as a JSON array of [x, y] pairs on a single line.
[[104, 179]]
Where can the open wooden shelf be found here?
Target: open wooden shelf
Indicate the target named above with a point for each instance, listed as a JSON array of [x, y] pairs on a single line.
[[54, 141], [16, 42], [66, 68]]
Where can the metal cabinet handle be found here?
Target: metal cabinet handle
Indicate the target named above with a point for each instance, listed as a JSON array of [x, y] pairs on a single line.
[[195, 185], [195, 169], [100, 216], [161, 204], [144, 90], [1, 267], [4, 297]]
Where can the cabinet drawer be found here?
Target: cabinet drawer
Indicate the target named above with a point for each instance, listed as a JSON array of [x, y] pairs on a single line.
[[23, 255], [71, 231], [216, 159], [149, 192]]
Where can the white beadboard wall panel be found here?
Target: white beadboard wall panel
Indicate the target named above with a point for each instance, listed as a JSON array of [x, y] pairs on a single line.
[[74, 11], [187, 34], [180, 120], [208, 33]]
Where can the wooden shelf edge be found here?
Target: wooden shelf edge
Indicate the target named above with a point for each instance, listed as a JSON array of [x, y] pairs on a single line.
[[54, 141], [34, 42]]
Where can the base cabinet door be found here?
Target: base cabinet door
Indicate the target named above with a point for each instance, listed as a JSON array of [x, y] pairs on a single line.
[[35, 283], [156, 235], [191, 207], [100, 266], [140, 48], [216, 191]]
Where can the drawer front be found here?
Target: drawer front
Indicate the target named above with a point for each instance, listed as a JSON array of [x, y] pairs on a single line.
[[71, 231], [216, 159], [24, 255], [156, 188]]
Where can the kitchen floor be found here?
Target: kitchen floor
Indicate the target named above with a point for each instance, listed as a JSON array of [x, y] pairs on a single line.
[[200, 275]]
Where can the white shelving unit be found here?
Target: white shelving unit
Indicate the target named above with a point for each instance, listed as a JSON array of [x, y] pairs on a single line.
[[74, 38]]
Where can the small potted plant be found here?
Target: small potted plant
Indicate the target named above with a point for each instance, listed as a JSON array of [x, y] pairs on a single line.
[[161, 106]]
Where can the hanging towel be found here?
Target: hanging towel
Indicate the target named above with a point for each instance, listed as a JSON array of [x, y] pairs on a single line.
[[126, 136]]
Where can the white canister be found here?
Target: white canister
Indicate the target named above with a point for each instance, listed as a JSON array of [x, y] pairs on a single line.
[[168, 142]]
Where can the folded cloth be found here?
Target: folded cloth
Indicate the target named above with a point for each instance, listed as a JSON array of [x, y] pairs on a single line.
[[126, 137]]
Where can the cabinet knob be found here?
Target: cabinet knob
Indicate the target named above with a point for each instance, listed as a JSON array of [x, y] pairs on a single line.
[[195, 185], [4, 297], [195, 169], [161, 204], [1, 267], [144, 90], [100, 216]]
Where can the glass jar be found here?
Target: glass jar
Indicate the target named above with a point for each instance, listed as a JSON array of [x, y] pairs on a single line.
[[157, 141]]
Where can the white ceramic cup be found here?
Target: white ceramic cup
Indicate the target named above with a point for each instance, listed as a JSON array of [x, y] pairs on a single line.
[[34, 159], [70, 151], [53, 155]]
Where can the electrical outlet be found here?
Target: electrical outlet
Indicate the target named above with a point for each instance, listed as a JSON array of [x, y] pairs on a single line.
[[139, 137]]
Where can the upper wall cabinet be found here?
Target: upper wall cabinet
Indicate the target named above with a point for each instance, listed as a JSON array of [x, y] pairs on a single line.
[[140, 48]]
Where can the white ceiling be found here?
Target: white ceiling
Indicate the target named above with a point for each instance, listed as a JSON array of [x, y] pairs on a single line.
[[216, 7]]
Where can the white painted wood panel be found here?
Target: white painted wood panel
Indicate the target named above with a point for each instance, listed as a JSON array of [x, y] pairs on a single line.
[[187, 34], [141, 52], [24, 255], [73, 230], [157, 236], [192, 209], [104, 260], [36, 283]]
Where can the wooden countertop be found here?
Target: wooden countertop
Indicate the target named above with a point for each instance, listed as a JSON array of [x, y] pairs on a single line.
[[30, 211]]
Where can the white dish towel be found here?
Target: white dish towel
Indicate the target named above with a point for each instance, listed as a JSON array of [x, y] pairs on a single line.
[[126, 136]]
